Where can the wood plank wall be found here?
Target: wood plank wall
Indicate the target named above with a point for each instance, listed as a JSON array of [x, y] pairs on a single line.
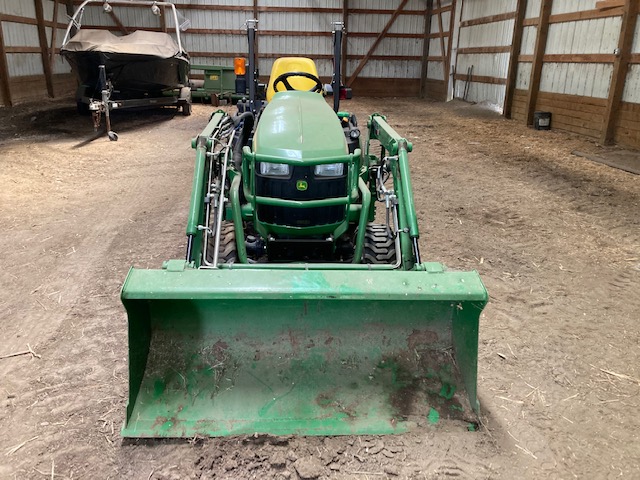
[[605, 117], [22, 88]]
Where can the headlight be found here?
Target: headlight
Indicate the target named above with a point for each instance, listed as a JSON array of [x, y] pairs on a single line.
[[329, 170], [274, 169]]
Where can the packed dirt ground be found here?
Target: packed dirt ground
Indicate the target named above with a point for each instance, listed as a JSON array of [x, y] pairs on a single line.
[[555, 237]]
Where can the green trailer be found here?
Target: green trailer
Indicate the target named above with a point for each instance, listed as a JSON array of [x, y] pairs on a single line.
[[218, 83]]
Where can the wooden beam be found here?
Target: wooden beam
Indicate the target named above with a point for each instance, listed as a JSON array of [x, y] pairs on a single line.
[[425, 48], [620, 68], [484, 50], [538, 54], [480, 79], [490, 19], [44, 48], [578, 16], [345, 49], [609, 4], [117, 21], [4, 73], [516, 44], [572, 58], [376, 42]]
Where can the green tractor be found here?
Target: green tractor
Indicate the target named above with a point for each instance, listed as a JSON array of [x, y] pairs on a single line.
[[296, 311]]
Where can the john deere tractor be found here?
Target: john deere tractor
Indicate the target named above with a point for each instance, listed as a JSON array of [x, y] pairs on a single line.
[[299, 309]]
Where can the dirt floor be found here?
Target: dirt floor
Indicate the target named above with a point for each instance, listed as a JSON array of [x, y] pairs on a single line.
[[555, 237]]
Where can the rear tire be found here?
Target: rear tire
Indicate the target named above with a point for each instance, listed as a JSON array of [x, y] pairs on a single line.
[[228, 251], [378, 247]]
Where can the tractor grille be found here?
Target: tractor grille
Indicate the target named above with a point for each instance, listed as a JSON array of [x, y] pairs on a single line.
[[286, 188]]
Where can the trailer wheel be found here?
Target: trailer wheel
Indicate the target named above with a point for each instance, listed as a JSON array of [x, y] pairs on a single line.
[[228, 251], [378, 247]]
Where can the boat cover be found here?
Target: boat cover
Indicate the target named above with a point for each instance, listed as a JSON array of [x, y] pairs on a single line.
[[140, 42]]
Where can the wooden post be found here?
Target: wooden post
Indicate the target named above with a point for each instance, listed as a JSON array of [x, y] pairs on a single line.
[[620, 69], [514, 53], [442, 49], [163, 19], [70, 12], [538, 54], [44, 48], [4, 73], [54, 33], [345, 50], [255, 45], [376, 42], [455, 68], [425, 48], [449, 45]]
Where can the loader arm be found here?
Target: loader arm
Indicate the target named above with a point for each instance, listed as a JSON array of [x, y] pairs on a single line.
[[395, 158]]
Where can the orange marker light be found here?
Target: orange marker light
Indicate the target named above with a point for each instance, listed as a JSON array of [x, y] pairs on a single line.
[[239, 66]]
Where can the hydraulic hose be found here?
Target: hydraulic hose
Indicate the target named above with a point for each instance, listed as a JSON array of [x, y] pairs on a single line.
[[247, 120]]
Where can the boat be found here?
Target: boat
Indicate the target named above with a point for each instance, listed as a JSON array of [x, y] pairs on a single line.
[[138, 64], [137, 69]]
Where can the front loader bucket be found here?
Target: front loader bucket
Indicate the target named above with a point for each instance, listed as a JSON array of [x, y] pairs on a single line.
[[309, 352]]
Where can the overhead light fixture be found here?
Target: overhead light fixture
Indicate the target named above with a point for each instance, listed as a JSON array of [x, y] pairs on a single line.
[[155, 9], [107, 8]]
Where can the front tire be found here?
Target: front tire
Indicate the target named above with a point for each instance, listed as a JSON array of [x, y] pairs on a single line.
[[227, 252], [379, 248]]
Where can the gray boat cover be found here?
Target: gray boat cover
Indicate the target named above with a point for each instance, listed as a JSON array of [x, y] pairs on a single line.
[[140, 42]]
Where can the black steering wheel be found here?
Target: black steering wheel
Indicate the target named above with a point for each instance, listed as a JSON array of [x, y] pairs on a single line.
[[284, 79]]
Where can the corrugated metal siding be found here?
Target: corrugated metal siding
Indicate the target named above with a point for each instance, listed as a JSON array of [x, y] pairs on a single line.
[[484, 8], [632, 87], [385, 4], [495, 34], [533, 9], [495, 65], [599, 35], [584, 79], [374, 23], [22, 64], [20, 35], [435, 68], [528, 44], [19, 8], [524, 75], [570, 6], [636, 38]]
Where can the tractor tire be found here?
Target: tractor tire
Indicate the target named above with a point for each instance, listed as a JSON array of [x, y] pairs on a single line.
[[228, 251], [378, 247]]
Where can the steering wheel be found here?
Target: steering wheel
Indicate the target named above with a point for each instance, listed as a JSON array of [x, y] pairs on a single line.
[[284, 79]]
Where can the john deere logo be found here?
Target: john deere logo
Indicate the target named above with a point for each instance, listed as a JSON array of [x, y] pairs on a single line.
[[302, 185]]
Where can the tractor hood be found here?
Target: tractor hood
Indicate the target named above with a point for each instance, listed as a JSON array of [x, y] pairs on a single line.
[[299, 126]]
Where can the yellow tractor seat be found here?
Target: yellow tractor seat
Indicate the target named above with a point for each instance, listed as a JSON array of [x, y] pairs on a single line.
[[292, 64]]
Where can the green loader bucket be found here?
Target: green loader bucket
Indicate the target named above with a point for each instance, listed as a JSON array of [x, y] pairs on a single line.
[[309, 352]]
